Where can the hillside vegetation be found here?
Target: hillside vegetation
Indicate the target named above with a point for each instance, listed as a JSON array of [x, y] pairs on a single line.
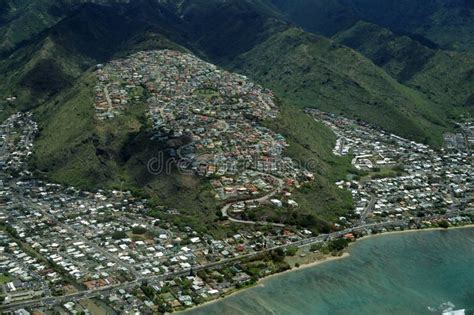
[[309, 70], [445, 77], [251, 37], [58, 57], [75, 149], [448, 23], [113, 154]]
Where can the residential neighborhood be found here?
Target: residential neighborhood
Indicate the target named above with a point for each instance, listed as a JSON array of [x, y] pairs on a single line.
[[58, 242], [211, 119], [398, 178], [71, 251]]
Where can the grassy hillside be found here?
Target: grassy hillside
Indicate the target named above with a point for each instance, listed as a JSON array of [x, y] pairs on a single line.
[[38, 72], [400, 56], [21, 20], [47, 70], [446, 78], [311, 144], [75, 149], [308, 70], [220, 31], [325, 17]]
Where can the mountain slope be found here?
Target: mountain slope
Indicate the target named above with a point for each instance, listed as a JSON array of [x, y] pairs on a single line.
[[449, 23], [50, 71], [445, 77], [308, 70], [71, 148], [76, 149], [348, 83], [21, 20], [400, 56]]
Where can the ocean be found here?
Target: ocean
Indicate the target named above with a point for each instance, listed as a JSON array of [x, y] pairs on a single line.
[[424, 272]]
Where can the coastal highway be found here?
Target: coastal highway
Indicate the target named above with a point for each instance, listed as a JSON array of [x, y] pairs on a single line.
[[49, 301]]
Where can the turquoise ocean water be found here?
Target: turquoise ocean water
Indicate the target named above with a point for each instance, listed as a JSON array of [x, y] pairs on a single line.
[[410, 273]]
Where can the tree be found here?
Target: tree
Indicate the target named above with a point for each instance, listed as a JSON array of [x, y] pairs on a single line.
[[443, 224], [315, 247], [118, 235], [338, 245], [139, 230], [291, 251], [278, 255]]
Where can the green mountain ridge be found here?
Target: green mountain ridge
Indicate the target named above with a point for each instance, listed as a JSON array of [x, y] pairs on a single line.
[[182, 22], [92, 34], [311, 71], [114, 154], [444, 76], [448, 23]]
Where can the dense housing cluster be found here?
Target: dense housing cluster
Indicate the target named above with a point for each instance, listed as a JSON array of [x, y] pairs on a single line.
[[401, 178], [211, 118], [59, 245]]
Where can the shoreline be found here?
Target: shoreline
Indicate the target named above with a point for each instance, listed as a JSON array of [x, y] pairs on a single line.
[[325, 259], [467, 226]]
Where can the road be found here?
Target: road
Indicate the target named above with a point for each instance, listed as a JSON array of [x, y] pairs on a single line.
[[225, 209], [107, 97], [126, 285], [79, 236], [368, 210]]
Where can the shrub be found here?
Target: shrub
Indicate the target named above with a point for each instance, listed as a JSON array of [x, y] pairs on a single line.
[[118, 235], [139, 230]]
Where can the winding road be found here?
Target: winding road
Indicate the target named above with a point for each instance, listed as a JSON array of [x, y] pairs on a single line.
[[225, 209]]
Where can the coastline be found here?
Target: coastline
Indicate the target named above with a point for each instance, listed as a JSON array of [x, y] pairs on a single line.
[[467, 226], [261, 282], [324, 259]]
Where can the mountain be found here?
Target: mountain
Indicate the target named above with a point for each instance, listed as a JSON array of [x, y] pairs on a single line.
[[239, 32], [21, 20], [448, 23], [74, 150], [309, 70], [446, 77], [92, 33]]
